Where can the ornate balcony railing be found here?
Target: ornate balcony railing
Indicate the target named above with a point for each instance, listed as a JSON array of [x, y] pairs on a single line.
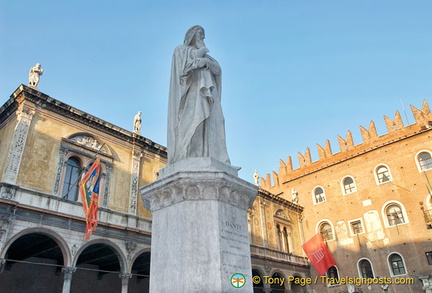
[[276, 255]]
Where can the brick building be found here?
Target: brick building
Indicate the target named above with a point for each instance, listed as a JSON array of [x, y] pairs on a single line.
[[371, 202]]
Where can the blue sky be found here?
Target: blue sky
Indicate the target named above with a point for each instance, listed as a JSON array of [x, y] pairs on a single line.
[[295, 72]]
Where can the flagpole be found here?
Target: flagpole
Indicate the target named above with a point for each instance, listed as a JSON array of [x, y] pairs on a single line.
[[82, 170]]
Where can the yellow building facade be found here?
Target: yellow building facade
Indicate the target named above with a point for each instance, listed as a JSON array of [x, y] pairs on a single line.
[[45, 148]]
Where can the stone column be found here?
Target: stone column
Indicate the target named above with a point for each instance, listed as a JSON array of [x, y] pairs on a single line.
[[67, 279], [125, 282], [16, 150], [200, 230]]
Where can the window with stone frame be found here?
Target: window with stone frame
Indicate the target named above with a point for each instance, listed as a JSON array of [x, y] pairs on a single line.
[[356, 227], [366, 269], [326, 231], [383, 174], [429, 257], [81, 149], [394, 215], [425, 161], [283, 225], [283, 238], [71, 179], [349, 185], [333, 273], [319, 195], [397, 264]]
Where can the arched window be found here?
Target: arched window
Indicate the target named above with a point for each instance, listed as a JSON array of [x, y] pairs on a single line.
[[333, 273], [348, 185], [284, 230], [277, 286], [326, 231], [425, 161], [319, 195], [397, 264], [70, 182], [394, 215], [382, 174], [365, 268]]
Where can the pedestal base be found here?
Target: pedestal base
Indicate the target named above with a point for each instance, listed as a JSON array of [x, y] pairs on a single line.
[[200, 232]]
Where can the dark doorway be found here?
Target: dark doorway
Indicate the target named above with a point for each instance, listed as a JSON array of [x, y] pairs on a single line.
[[33, 265], [98, 270]]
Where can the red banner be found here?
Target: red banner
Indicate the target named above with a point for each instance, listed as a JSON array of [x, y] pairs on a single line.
[[318, 254], [89, 191]]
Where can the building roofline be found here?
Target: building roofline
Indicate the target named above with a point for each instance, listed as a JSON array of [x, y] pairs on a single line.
[[42, 100], [279, 200]]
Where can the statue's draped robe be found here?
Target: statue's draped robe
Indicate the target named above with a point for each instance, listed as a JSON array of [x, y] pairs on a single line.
[[196, 126]]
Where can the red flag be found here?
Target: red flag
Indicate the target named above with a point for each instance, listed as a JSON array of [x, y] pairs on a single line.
[[318, 254], [89, 191]]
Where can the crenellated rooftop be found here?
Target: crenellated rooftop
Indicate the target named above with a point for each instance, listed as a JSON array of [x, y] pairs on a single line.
[[371, 140]]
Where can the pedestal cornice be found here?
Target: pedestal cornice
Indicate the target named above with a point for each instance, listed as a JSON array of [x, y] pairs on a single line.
[[198, 185]]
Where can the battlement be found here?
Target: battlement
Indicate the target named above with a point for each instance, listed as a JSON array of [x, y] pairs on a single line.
[[396, 131]]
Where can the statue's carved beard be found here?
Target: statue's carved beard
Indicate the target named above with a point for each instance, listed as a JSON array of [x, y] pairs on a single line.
[[200, 44]]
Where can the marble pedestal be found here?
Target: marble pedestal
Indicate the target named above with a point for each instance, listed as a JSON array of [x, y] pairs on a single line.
[[199, 231]]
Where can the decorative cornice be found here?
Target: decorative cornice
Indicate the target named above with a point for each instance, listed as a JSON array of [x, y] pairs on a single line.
[[190, 186], [266, 195], [41, 100]]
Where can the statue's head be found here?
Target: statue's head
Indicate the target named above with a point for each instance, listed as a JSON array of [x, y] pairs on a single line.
[[191, 33], [38, 65]]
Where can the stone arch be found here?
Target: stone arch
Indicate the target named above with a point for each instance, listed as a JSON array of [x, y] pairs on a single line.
[[33, 253], [67, 257], [140, 272], [116, 249], [296, 284], [98, 265], [258, 287], [136, 255], [277, 277]]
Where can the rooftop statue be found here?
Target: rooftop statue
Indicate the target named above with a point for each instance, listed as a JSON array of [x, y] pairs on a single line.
[[196, 126], [137, 123], [256, 178], [34, 75]]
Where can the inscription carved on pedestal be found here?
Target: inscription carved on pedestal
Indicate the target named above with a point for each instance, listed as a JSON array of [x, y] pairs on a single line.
[[235, 246]]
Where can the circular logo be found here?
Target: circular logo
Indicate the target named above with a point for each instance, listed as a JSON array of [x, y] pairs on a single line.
[[256, 279], [238, 280]]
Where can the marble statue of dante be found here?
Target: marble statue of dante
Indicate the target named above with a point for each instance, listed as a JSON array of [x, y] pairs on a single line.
[[137, 123], [34, 75], [196, 126]]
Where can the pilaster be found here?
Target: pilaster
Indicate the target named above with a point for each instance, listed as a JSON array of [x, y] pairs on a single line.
[[16, 150], [136, 160]]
